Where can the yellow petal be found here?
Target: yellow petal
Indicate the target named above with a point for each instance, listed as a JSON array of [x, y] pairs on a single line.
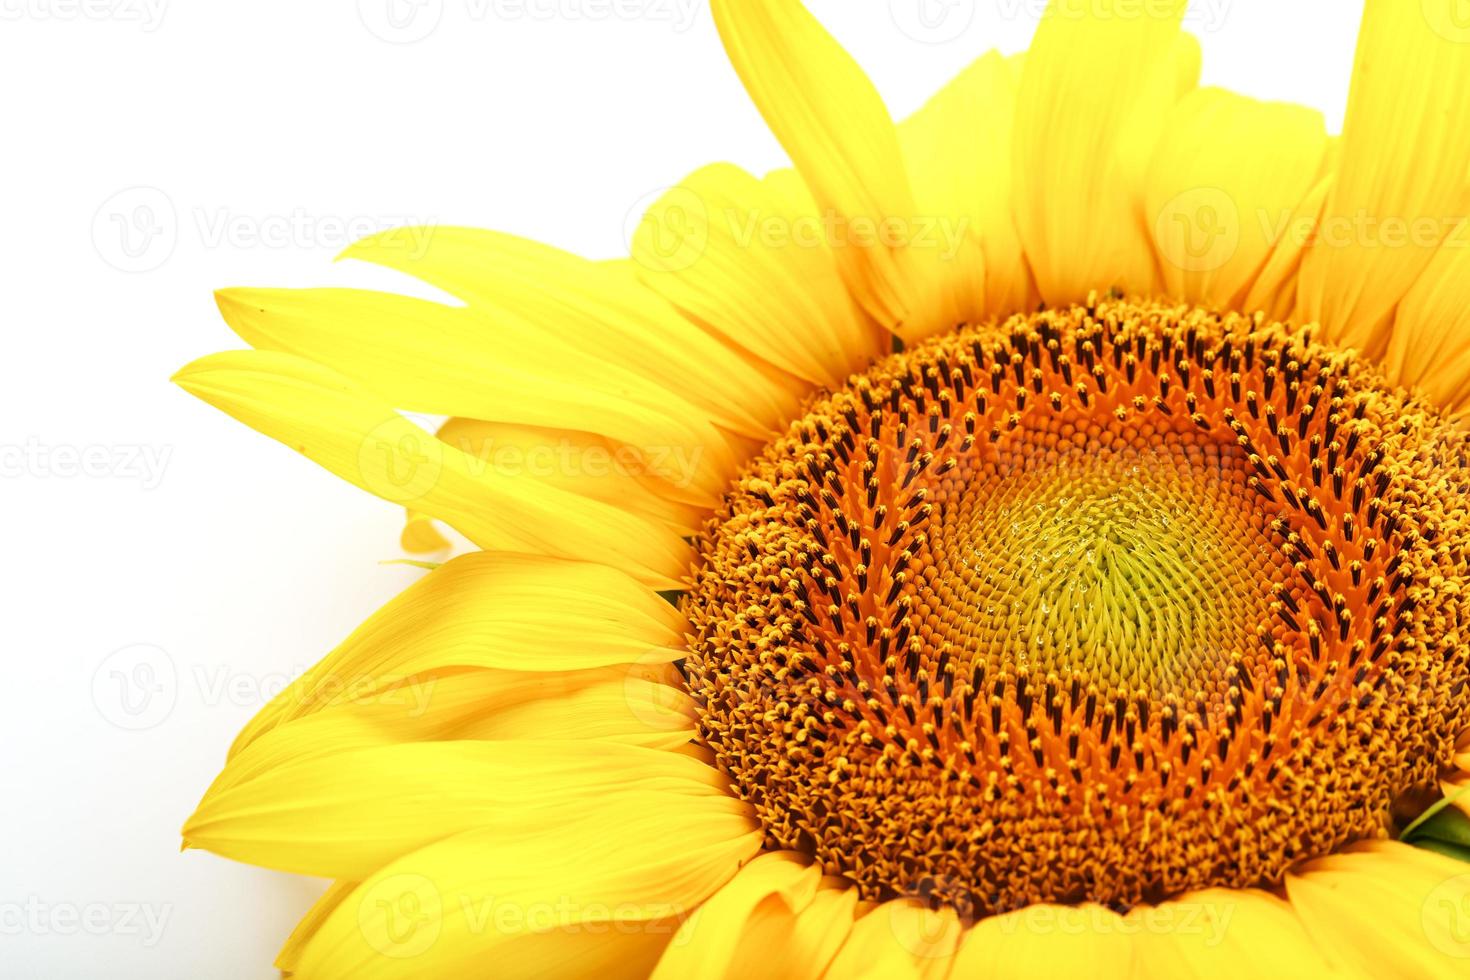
[[833, 124], [528, 293], [1401, 187], [464, 364], [492, 610], [709, 942], [1217, 931], [1274, 289], [1227, 171], [420, 536], [290, 953], [957, 149], [1042, 940], [1429, 347], [900, 938], [739, 255], [354, 434], [635, 705], [346, 814], [601, 897], [1099, 79], [589, 466], [1385, 909]]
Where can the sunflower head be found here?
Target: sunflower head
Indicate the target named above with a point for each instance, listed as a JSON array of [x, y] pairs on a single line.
[[1043, 522]]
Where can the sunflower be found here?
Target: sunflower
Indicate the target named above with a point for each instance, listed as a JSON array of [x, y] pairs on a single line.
[[1030, 537]]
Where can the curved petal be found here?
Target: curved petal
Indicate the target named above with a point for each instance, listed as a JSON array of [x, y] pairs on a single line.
[[1387, 909], [900, 938], [446, 360], [1063, 940], [491, 610], [1429, 347], [958, 152], [355, 435], [346, 814], [832, 122], [1402, 184], [1098, 82], [751, 262], [711, 943], [533, 294], [1226, 171], [1217, 930], [600, 897]]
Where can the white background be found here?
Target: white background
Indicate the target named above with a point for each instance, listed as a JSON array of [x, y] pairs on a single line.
[[257, 131]]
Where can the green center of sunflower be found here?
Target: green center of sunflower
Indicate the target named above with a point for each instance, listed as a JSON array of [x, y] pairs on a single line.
[[1100, 604]]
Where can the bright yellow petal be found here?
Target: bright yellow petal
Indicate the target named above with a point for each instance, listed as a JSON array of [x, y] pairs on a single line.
[[957, 149], [1097, 86], [589, 466], [420, 536], [1042, 940], [900, 939], [1402, 186], [601, 897], [1385, 909], [346, 814], [464, 364], [773, 885], [1227, 171], [634, 705], [833, 124], [1217, 931], [491, 610], [1274, 289], [1429, 347], [735, 253], [532, 294], [354, 434]]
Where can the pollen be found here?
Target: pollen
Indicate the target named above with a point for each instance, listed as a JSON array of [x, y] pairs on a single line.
[[1097, 604]]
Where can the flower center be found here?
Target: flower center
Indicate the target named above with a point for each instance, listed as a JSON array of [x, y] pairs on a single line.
[[1100, 604]]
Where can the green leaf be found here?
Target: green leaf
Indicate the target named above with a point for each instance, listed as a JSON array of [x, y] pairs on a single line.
[[1449, 825], [1433, 811], [1457, 851]]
